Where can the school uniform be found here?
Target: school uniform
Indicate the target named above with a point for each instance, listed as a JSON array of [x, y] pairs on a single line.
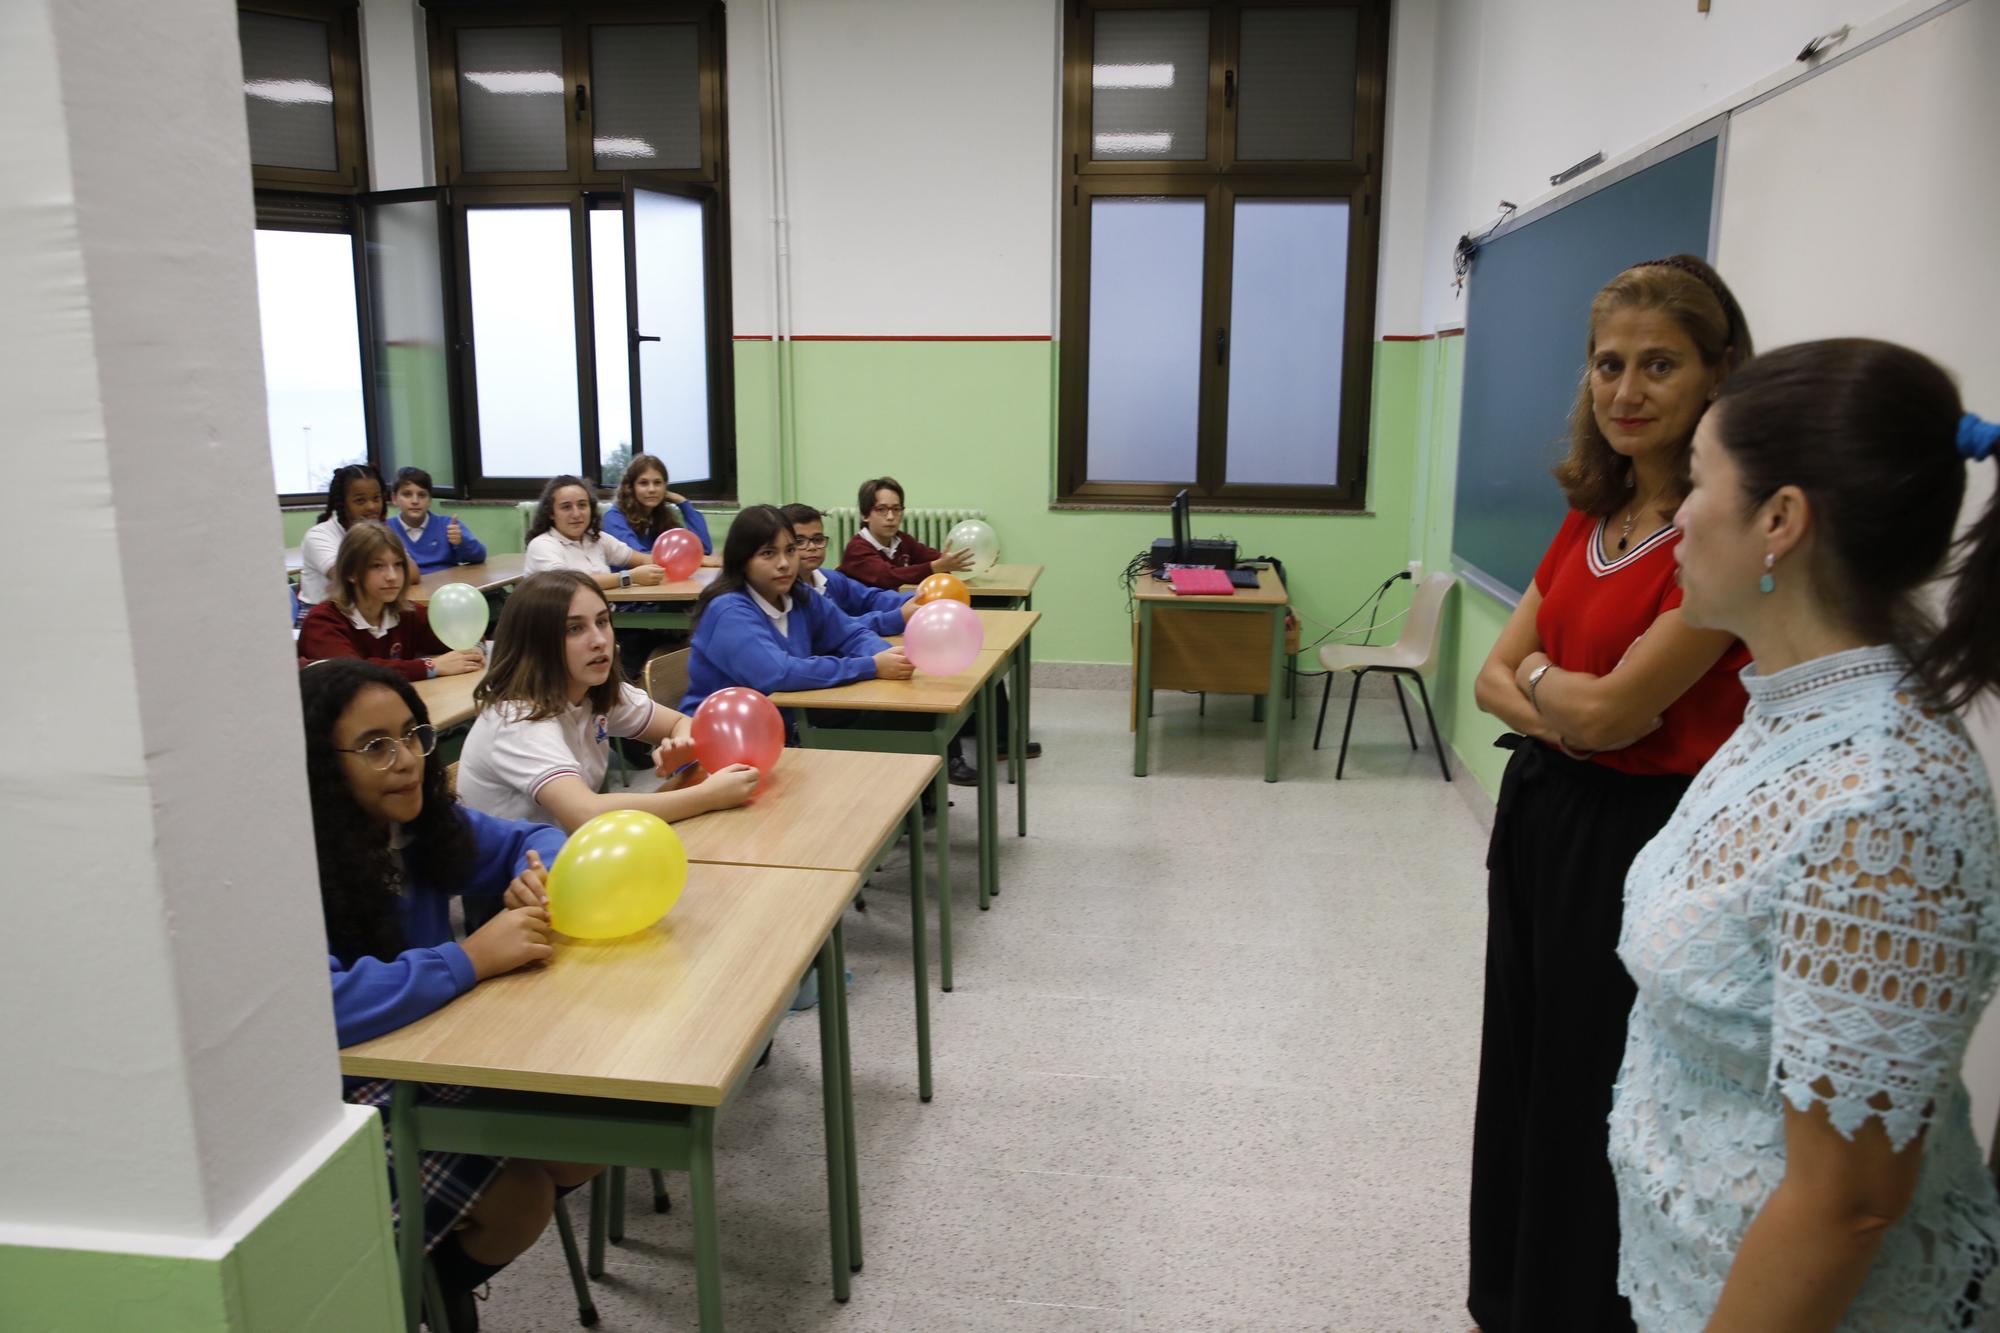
[[903, 561], [602, 554], [877, 608], [804, 643], [318, 549], [508, 759], [371, 997], [403, 642], [430, 545], [619, 526]]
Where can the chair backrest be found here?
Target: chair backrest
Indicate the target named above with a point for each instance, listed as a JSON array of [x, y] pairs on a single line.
[[667, 677], [451, 777], [1420, 627]]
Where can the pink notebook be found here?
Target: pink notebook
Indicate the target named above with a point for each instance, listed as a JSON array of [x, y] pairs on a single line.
[[1201, 583]]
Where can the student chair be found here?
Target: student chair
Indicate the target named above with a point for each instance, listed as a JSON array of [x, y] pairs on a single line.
[[667, 677], [451, 777], [1413, 654]]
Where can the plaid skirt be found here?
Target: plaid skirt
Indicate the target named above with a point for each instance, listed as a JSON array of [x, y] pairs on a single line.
[[452, 1181]]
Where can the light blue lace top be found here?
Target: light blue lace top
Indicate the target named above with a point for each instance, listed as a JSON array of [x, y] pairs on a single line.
[[1816, 923]]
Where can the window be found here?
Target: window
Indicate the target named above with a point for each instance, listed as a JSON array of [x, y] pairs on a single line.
[[1219, 247], [312, 355], [584, 147], [302, 93]]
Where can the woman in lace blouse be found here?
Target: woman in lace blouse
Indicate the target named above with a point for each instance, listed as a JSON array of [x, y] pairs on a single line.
[[1813, 933]]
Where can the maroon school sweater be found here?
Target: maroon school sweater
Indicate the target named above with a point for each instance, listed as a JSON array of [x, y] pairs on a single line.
[[327, 632], [863, 562]]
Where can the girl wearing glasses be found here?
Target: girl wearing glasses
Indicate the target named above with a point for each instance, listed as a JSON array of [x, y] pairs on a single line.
[[644, 507], [369, 614], [552, 702], [393, 847]]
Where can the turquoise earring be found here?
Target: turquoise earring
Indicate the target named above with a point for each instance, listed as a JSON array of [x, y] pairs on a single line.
[[1768, 583]]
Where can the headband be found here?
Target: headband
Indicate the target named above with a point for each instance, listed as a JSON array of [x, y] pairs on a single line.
[[1977, 438], [1706, 279]]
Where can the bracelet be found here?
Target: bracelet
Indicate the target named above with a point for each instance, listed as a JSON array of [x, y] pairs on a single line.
[[1535, 679]]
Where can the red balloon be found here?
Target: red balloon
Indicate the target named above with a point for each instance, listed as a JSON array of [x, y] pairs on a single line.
[[738, 726], [678, 552]]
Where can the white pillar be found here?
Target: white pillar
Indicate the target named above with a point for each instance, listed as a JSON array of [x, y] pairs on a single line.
[[167, 1059]]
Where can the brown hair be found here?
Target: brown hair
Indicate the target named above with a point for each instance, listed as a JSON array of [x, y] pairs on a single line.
[[1596, 477], [545, 508], [358, 550], [874, 484], [1869, 431], [528, 664], [646, 523]]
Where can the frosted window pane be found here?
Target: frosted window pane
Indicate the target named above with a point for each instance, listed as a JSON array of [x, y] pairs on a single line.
[[511, 100], [614, 370], [1149, 86], [312, 357], [288, 92], [412, 365], [1287, 316], [524, 341], [1295, 102], [645, 87], [669, 252], [1144, 398]]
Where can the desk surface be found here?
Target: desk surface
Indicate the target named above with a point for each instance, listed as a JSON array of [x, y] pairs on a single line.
[[672, 1014], [497, 572], [919, 694], [686, 590], [448, 699], [818, 810], [1270, 591], [1000, 581], [1004, 630]]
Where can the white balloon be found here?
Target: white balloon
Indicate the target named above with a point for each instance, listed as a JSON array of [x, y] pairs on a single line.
[[978, 538]]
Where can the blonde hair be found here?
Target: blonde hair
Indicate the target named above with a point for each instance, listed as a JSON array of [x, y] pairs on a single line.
[[1595, 476], [359, 549]]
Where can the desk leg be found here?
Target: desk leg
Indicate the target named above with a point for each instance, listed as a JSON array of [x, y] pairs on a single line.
[[616, 1231], [941, 798], [836, 1141], [1017, 746], [989, 800], [1143, 712], [600, 1222], [409, 1197], [707, 1240], [849, 1159], [1277, 683], [920, 951]]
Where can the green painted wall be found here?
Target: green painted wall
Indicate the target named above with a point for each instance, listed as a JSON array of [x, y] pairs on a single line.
[[323, 1261]]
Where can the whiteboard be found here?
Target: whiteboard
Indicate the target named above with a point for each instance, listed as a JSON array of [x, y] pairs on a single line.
[[1865, 200]]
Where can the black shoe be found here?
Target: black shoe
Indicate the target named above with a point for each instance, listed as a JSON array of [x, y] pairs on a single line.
[[1034, 751], [962, 774]]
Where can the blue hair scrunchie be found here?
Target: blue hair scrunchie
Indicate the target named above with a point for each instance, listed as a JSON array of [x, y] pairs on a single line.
[[1977, 438]]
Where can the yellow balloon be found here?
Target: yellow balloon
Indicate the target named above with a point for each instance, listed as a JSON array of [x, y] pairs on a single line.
[[618, 874]]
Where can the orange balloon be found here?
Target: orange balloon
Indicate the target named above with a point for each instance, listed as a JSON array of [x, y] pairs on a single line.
[[942, 588]]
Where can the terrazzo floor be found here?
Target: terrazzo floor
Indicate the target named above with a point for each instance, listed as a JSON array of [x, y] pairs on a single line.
[[1209, 1064]]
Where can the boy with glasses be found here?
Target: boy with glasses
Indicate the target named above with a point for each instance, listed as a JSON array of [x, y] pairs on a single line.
[[880, 609]]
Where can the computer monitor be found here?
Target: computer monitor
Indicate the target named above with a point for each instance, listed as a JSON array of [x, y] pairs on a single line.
[[1183, 543]]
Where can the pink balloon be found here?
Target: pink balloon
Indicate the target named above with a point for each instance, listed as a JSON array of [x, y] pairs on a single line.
[[737, 726], [943, 638], [678, 552]]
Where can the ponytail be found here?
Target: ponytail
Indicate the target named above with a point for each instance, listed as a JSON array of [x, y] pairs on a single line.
[[1963, 658]]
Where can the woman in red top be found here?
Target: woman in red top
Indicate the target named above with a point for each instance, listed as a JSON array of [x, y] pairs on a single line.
[[1618, 701], [368, 612]]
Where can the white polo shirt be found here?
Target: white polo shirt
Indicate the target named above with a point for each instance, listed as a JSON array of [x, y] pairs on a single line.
[[507, 760], [318, 549], [781, 615], [603, 554], [390, 616]]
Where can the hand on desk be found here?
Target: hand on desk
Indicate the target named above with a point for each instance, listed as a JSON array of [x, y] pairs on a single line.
[[950, 562], [531, 887], [515, 938], [890, 664], [458, 662], [729, 787]]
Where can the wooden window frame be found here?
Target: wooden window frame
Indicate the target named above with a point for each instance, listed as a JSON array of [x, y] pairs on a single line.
[[342, 18], [1221, 179]]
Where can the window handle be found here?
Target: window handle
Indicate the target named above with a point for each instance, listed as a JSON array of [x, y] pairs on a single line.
[[1228, 88], [582, 101], [1221, 345], [639, 337]]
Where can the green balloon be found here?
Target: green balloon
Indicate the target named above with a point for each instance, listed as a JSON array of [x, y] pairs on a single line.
[[458, 615]]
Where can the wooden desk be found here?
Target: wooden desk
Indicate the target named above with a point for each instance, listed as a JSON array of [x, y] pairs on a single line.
[[448, 699], [636, 1045], [834, 810], [1208, 654], [662, 606], [497, 572], [1012, 585]]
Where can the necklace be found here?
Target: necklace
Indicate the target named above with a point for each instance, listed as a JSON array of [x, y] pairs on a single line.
[[1625, 534]]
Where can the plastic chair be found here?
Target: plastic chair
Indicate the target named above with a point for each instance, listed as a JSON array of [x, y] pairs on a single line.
[[1413, 654]]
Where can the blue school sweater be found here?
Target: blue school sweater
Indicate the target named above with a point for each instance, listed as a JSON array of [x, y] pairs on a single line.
[[433, 551], [737, 644], [878, 608], [615, 524], [371, 997]]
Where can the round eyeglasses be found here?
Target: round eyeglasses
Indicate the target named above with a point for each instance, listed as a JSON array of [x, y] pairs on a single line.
[[813, 543], [381, 752]]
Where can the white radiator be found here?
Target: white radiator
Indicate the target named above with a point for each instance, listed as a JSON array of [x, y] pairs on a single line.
[[928, 526]]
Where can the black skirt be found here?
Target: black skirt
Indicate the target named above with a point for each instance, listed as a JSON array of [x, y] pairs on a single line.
[[1544, 1210]]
